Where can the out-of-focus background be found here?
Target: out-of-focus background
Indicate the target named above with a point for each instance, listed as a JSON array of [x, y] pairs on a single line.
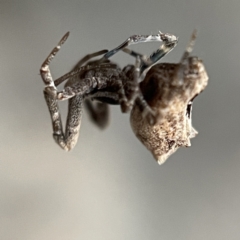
[[109, 186]]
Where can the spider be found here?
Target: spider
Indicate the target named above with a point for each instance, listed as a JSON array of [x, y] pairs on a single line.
[[100, 80]]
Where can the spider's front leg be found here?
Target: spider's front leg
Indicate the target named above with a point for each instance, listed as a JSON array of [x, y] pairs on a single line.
[[75, 92], [142, 65], [68, 140], [133, 85], [98, 111], [169, 42], [45, 71], [130, 89]]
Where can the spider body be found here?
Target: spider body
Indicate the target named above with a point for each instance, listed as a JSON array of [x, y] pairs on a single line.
[[101, 80], [159, 96]]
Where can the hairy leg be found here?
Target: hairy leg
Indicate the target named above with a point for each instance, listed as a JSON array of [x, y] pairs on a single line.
[[178, 76], [97, 111], [68, 140], [45, 70], [167, 40]]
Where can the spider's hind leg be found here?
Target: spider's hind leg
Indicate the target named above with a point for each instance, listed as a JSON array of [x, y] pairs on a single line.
[[167, 39], [75, 93], [169, 42], [68, 140]]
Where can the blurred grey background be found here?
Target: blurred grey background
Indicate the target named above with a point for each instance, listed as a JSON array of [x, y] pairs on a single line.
[[109, 186]]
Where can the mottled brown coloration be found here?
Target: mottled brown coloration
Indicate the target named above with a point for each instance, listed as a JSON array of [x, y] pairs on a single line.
[[99, 80], [160, 96], [169, 90]]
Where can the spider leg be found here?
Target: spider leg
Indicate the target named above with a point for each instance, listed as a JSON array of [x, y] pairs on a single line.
[[131, 87], [137, 96], [97, 111], [68, 140], [134, 53], [76, 94], [50, 85], [146, 110], [88, 57], [167, 46], [76, 71], [189, 47], [178, 76], [169, 42], [161, 37], [45, 71]]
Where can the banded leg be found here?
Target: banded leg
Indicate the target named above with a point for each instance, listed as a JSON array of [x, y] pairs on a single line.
[[50, 85], [69, 91], [178, 76], [50, 94], [131, 87], [88, 57], [45, 71], [76, 71], [133, 72], [68, 140], [75, 107], [169, 42], [98, 111], [146, 110], [166, 38]]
